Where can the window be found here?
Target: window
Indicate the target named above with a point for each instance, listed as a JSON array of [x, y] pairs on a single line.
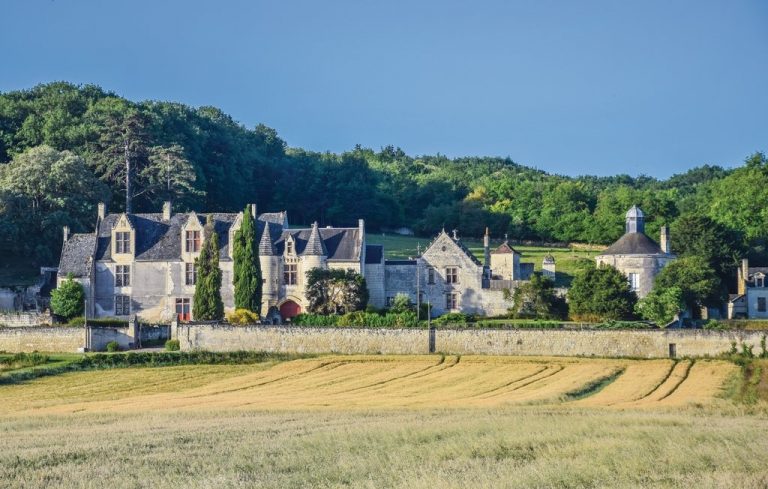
[[289, 247], [192, 241], [183, 309], [122, 276], [190, 273], [450, 301], [761, 304], [390, 301], [122, 242], [430, 276], [634, 281], [290, 274], [452, 275], [122, 305], [760, 281]]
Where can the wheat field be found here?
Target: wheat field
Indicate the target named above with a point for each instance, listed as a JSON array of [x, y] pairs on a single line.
[[385, 421]]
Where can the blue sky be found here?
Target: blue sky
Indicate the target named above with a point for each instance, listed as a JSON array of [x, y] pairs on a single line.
[[573, 87]]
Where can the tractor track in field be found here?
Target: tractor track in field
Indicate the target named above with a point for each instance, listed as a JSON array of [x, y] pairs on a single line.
[[332, 365], [410, 375]]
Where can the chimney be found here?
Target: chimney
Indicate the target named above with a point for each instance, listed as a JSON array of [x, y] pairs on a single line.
[[743, 276], [167, 210], [664, 242], [455, 234], [253, 211], [361, 229], [102, 210], [487, 248], [66, 233]]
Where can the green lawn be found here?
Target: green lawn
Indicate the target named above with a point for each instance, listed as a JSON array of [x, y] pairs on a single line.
[[568, 260]]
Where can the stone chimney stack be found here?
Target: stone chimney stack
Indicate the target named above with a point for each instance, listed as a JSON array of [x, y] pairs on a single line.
[[487, 247], [102, 210], [254, 215], [664, 241], [167, 210], [66, 233], [361, 229], [742, 277]]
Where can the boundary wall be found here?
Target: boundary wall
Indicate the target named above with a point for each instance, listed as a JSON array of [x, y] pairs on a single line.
[[40, 338], [535, 342]]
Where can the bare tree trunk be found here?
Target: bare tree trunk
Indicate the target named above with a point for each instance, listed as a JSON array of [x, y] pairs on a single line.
[[127, 179]]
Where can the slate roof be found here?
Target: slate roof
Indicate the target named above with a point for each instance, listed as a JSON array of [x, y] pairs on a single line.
[[374, 253], [266, 245], [753, 270], [633, 244], [315, 245], [341, 244], [76, 255], [160, 240], [504, 248]]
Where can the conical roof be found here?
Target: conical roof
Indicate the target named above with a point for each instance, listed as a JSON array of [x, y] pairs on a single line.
[[634, 212], [266, 245], [315, 244]]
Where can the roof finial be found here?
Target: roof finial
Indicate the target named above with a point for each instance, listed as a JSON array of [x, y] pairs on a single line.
[[455, 234], [505, 237], [487, 232]]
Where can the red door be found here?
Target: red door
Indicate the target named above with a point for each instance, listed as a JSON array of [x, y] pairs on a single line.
[[289, 309], [183, 310]]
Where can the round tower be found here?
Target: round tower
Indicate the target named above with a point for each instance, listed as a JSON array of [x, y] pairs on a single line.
[[269, 262]]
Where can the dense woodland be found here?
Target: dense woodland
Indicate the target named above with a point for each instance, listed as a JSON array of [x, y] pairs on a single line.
[[63, 148]]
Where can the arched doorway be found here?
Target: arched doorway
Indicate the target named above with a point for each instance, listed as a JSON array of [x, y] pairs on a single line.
[[289, 309]]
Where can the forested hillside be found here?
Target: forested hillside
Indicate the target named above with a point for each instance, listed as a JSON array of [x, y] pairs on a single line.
[[63, 148]]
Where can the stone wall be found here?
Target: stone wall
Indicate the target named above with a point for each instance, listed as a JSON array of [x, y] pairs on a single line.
[[100, 336], [24, 319], [643, 344], [48, 339], [303, 339]]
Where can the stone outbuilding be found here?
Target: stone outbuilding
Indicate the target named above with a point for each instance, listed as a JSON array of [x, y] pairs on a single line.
[[636, 255]]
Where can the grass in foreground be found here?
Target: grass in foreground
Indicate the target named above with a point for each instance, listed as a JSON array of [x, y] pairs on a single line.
[[508, 447]]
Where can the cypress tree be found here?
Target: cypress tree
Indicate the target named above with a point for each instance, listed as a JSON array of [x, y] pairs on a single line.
[[207, 304], [247, 270]]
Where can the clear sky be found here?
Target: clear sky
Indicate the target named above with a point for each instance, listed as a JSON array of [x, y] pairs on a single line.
[[599, 87]]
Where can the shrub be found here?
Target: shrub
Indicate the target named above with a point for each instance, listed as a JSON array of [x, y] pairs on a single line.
[[401, 303], [716, 325], [113, 346], [106, 322], [172, 345], [452, 318], [242, 316], [68, 300]]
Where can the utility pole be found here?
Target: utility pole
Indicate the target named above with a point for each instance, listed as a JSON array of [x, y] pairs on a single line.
[[418, 282]]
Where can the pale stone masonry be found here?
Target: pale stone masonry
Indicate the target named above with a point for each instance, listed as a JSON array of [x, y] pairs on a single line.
[[636, 255], [144, 265]]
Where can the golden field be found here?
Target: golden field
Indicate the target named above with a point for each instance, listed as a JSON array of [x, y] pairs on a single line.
[[380, 421]]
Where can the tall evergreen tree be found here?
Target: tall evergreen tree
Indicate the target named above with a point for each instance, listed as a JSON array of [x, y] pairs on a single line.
[[207, 304], [247, 270]]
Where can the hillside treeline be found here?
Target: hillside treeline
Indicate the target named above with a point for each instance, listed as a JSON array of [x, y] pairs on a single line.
[[63, 148]]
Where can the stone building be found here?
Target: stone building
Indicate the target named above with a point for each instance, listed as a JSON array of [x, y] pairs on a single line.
[[636, 255], [751, 299], [144, 265]]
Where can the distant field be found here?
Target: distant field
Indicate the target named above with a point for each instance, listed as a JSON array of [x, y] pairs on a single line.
[[568, 261]]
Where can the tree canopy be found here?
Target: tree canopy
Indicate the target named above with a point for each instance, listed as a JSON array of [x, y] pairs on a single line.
[[247, 269], [204, 160], [334, 291], [207, 304], [601, 293]]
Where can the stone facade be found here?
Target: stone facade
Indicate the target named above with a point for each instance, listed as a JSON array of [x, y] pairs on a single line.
[[636, 255], [143, 265], [751, 299]]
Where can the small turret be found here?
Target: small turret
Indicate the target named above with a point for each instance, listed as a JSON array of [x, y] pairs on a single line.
[[315, 244], [635, 220], [266, 245], [548, 266]]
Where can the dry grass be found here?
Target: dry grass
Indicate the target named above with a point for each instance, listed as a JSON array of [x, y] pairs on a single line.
[[415, 421]]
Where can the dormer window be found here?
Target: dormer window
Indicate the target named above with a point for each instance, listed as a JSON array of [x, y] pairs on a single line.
[[122, 242], [760, 281], [192, 241], [288, 247]]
